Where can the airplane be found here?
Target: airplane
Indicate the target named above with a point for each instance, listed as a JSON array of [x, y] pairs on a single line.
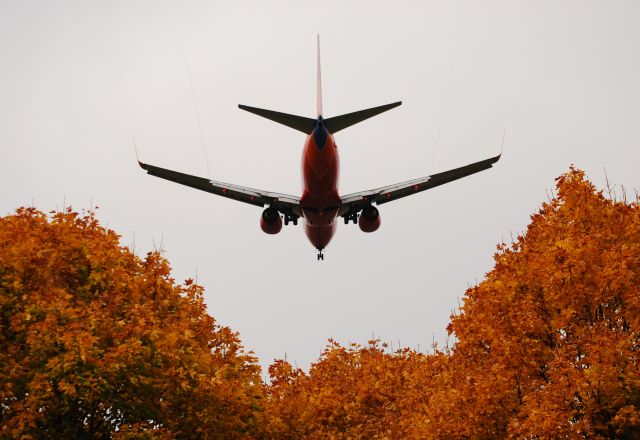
[[320, 205]]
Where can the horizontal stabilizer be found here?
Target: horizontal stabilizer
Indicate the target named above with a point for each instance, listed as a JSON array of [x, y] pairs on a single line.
[[338, 123], [299, 123]]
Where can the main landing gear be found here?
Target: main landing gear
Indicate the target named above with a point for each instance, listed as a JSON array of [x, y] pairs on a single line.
[[290, 219], [353, 216], [320, 255]]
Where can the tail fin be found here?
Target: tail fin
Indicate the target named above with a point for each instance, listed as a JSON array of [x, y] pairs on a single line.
[[306, 125], [319, 80], [341, 122]]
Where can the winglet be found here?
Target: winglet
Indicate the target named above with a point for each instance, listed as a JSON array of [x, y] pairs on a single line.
[[135, 148], [319, 81], [504, 132]]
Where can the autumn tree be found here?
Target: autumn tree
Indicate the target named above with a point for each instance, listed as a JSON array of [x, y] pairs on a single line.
[[545, 347], [354, 392], [96, 342]]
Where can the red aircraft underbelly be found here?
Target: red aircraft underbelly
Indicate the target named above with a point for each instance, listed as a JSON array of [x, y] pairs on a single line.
[[320, 201]]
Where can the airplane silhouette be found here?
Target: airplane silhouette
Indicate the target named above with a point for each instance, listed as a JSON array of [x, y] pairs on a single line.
[[320, 204]]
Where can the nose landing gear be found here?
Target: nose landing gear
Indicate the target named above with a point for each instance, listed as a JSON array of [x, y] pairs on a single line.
[[320, 255]]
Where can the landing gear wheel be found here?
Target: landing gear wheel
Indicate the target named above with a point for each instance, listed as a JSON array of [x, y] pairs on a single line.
[[351, 217], [290, 219], [320, 255]]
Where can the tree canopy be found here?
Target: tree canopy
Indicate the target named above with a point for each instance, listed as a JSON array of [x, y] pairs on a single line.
[[545, 347], [98, 343]]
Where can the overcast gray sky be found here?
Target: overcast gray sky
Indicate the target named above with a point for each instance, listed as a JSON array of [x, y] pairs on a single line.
[[77, 78]]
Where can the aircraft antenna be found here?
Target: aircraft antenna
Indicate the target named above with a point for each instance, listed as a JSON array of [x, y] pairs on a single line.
[[319, 80]]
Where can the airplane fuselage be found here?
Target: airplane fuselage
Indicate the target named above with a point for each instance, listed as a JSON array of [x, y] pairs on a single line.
[[320, 201]]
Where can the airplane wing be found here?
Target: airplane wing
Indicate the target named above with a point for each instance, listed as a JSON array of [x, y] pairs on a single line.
[[352, 203], [282, 202]]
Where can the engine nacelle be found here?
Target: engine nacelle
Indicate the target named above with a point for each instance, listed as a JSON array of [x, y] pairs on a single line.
[[270, 221], [369, 220]]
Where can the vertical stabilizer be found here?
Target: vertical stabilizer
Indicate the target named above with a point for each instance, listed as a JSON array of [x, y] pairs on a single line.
[[319, 91]]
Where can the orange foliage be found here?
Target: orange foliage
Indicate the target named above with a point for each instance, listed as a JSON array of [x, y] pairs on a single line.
[[546, 346], [353, 392], [97, 343], [549, 341]]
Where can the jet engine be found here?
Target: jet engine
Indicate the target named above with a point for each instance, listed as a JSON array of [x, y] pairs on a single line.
[[369, 220], [270, 221]]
